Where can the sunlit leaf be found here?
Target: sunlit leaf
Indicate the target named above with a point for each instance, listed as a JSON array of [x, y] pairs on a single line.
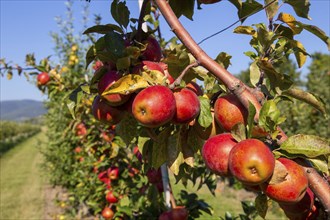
[[301, 7], [205, 117], [299, 52], [103, 29], [185, 8], [245, 30], [127, 84], [254, 73], [290, 21], [272, 9]]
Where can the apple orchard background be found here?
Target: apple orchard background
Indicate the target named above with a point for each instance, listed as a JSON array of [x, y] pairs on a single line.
[[18, 38]]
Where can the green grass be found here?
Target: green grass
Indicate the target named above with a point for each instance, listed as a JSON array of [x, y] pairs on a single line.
[[21, 184]]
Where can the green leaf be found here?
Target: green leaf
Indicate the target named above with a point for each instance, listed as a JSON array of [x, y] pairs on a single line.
[[127, 84], [248, 8], [245, 30], [301, 7], [127, 129], [307, 98], [115, 44], [261, 204], [183, 7], [96, 77], [237, 4], [250, 120], [103, 29], [308, 145], [270, 116], [73, 100], [223, 59], [317, 32], [123, 63], [321, 164], [90, 55], [272, 9], [254, 73], [159, 148], [238, 132], [205, 117], [120, 13]]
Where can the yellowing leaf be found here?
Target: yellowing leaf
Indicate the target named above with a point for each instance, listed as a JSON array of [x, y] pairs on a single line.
[[254, 73], [127, 84], [300, 52], [290, 21], [154, 77], [245, 30]]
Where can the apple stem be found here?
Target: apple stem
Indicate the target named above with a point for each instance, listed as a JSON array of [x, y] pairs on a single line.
[[166, 186], [183, 73], [233, 84]]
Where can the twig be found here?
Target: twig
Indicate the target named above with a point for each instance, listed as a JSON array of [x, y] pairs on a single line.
[[142, 14], [241, 19], [183, 73]]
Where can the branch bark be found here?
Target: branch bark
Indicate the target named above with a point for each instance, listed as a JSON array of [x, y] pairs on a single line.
[[321, 189]]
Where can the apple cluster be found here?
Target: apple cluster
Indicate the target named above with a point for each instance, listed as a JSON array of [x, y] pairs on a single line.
[[252, 163], [152, 106]]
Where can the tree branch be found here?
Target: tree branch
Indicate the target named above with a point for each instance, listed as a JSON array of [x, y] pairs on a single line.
[[235, 86]]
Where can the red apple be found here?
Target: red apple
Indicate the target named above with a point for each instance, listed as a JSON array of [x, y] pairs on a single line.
[[251, 162], [177, 213], [97, 65], [154, 175], [111, 198], [154, 106], [81, 129], [107, 213], [107, 80], [43, 78], [187, 106], [292, 189], [301, 209], [196, 88], [103, 176], [105, 113], [108, 136], [153, 51], [113, 173], [215, 153], [228, 111], [77, 150]]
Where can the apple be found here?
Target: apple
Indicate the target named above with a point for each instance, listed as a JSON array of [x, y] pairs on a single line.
[[251, 162], [103, 176], [206, 133], [154, 106], [107, 80], [301, 209], [105, 113], [195, 87], [154, 176], [215, 153], [187, 106], [177, 213], [107, 213], [292, 189], [153, 51], [81, 129], [77, 150], [43, 78], [111, 198], [97, 65], [113, 173], [108, 136], [228, 111]]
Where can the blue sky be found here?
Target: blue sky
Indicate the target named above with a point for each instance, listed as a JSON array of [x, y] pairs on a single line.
[[26, 26]]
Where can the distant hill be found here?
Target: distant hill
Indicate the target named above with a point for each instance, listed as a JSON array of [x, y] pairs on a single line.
[[18, 110]]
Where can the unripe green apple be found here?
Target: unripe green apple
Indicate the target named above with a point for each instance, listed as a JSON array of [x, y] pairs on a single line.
[[154, 106], [228, 111], [293, 187], [216, 151], [251, 162], [187, 106]]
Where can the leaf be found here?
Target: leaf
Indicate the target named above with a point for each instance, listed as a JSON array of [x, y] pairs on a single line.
[[154, 77], [279, 174], [299, 52], [254, 73], [9, 75], [175, 156], [321, 164], [127, 129], [301, 7], [237, 4], [272, 9], [290, 21], [261, 204], [248, 8], [250, 120], [205, 116], [317, 32], [123, 63], [238, 132], [127, 84], [223, 59], [307, 98], [308, 145], [103, 29], [159, 148], [120, 13], [183, 7], [90, 55], [115, 44], [73, 100], [245, 30], [270, 116]]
